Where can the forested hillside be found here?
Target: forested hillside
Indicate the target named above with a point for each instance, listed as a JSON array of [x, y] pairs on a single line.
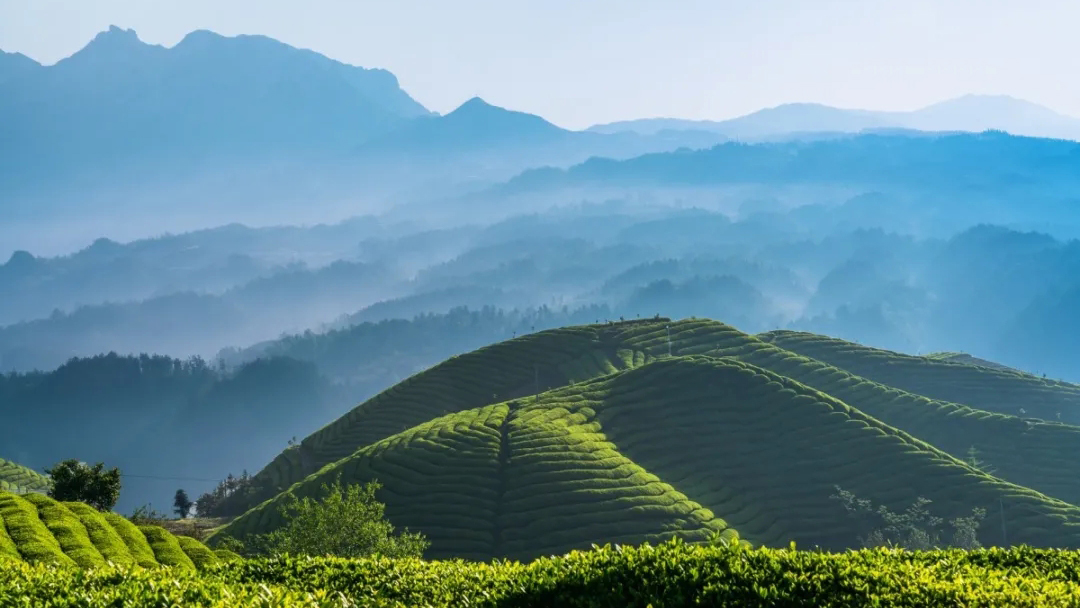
[[165, 422]]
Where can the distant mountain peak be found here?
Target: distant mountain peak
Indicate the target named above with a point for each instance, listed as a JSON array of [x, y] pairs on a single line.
[[475, 102], [196, 36], [13, 65], [111, 46], [476, 106], [115, 36], [479, 113]]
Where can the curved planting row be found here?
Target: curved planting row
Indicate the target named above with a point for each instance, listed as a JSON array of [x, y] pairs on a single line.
[[985, 388], [37, 529], [489, 483], [491, 374], [764, 453], [19, 479], [567, 486], [967, 359], [1030, 453], [440, 478]]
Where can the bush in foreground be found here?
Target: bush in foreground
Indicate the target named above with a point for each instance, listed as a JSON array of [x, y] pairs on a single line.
[[673, 574], [347, 522]]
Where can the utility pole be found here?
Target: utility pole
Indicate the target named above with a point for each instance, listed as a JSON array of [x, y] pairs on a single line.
[[1004, 537], [668, 328]]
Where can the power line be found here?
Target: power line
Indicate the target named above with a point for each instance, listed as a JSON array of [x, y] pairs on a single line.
[[169, 478]]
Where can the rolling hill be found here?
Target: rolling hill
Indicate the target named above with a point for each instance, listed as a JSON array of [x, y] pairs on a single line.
[[967, 359], [645, 430], [37, 529], [19, 479], [994, 390]]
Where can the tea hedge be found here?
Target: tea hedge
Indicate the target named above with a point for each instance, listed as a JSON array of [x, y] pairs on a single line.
[[985, 388], [19, 479], [671, 574], [37, 529]]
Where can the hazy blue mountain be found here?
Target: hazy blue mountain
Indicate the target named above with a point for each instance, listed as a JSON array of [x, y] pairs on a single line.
[[997, 112], [968, 113], [205, 261], [120, 103], [769, 122], [994, 160], [480, 142], [652, 126], [16, 65], [188, 322]]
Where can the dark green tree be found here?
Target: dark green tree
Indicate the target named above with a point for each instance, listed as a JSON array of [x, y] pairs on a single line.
[[182, 504], [75, 481]]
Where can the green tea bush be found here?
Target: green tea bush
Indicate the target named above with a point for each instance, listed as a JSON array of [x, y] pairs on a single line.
[[672, 574]]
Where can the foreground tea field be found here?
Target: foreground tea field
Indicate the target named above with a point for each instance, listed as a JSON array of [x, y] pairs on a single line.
[[39, 530], [672, 574], [19, 479]]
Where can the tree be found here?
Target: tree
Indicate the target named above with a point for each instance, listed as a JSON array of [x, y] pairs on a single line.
[[347, 522], [914, 529], [75, 481], [182, 504]]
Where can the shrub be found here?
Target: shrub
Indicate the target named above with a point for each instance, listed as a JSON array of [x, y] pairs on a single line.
[[915, 529], [347, 522]]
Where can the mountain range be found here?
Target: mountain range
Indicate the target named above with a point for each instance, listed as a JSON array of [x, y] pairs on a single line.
[[247, 128], [967, 113]]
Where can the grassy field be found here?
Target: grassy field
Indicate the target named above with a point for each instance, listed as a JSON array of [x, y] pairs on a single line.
[[39, 530], [19, 479]]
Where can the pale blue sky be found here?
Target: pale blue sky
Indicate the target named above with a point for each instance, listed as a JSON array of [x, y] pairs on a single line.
[[578, 62]]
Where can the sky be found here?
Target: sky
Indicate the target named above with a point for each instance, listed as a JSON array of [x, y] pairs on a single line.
[[581, 62]]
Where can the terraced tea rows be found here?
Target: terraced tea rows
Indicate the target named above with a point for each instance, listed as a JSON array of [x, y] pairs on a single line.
[[631, 443], [19, 479], [1030, 453], [763, 452], [486, 482], [441, 476], [679, 446], [984, 388], [967, 359], [499, 372], [37, 529]]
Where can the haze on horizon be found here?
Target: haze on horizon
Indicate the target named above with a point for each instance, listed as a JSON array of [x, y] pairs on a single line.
[[579, 64]]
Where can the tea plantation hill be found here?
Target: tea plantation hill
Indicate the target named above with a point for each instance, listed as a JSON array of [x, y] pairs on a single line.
[[37, 529], [19, 479], [729, 434], [995, 390], [554, 358], [967, 359]]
